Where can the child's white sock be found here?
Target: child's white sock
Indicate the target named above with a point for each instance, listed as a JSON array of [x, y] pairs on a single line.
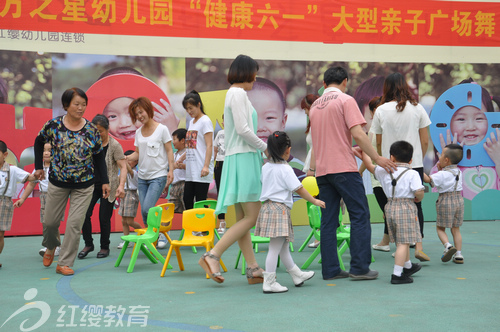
[[459, 252], [407, 265], [398, 270], [447, 245]]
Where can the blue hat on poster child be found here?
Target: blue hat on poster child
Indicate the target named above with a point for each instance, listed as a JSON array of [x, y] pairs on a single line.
[[309, 183]]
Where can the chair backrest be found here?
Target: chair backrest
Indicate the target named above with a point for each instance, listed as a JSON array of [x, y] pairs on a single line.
[[167, 214], [314, 214], [198, 220], [209, 204], [154, 219]]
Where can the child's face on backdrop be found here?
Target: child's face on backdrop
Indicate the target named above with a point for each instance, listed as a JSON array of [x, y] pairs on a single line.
[[120, 123], [470, 125], [178, 145], [47, 150], [270, 113]]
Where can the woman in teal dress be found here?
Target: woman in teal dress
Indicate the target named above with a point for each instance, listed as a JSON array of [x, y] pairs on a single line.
[[240, 180]]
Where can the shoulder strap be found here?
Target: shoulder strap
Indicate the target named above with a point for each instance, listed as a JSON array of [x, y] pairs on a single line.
[[7, 181], [457, 177], [395, 180]]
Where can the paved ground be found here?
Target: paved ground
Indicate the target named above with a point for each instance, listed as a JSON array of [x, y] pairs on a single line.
[[444, 296]]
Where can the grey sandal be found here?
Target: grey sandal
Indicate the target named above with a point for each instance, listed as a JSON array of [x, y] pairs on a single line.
[[215, 276], [251, 278]]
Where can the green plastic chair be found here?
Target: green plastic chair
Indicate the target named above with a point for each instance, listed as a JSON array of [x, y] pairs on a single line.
[[311, 234], [343, 236], [144, 242], [314, 213]]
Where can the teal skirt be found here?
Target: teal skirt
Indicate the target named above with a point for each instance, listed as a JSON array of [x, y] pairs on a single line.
[[240, 180]]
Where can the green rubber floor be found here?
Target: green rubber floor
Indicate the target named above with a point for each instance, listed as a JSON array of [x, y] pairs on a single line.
[[443, 297]]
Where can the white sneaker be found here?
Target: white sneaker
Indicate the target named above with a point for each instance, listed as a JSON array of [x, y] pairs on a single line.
[[386, 248], [161, 244], [222, 228], [42, 251], [120, 246], [197, 233], [313, 245], [56, 253]]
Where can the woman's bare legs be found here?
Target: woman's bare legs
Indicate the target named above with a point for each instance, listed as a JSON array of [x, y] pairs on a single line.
[[246, 216]]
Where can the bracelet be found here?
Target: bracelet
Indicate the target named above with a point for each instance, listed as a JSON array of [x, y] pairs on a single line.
[[312, 170]]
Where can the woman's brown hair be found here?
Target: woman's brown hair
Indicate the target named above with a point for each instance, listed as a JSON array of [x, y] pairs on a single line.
[[396, 89], [144, 103]]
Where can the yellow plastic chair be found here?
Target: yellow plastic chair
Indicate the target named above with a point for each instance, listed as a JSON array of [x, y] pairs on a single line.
[[209, 204], [166, 221], [144, 242], [194, 220]]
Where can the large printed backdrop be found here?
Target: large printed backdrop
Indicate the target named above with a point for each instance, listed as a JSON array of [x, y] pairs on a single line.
[[31, 86]]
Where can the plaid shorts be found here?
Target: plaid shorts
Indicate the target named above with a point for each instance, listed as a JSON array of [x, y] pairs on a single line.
[[130, 204], [176, 196], [274, 221], [6, 213], [43, 200], [450, 209], [402, 220]]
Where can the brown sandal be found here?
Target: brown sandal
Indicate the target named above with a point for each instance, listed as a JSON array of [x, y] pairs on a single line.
[[251, 278], [215, 276]]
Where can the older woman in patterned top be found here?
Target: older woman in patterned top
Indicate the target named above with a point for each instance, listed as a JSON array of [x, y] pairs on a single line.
[[77, 158]]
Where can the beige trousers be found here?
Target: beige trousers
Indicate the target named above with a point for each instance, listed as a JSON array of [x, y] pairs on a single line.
[[57, 199]]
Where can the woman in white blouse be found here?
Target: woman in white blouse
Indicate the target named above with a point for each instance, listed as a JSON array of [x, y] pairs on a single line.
[[401, 118]]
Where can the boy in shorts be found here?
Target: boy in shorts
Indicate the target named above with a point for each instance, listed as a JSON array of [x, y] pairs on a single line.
[[10, 176], [450, 203], [129, 204], [403, 188]]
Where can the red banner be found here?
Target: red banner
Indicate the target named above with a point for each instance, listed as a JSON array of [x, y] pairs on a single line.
[[445, 23]]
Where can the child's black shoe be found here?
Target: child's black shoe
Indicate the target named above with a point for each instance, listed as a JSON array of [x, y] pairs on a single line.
[[415, 267], [404, 279]]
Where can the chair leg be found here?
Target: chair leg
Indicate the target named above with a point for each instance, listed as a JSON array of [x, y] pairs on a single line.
[[122, 253], [147, 253], [237, 260], [216, 234], [341, 262], [168, 237], [133, 259], [158, 256], [166, 264], [302, 247], [291, 247], [312, 257], [179, 258]]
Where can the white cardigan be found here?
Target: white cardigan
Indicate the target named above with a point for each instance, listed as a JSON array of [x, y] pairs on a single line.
[[238, 124]]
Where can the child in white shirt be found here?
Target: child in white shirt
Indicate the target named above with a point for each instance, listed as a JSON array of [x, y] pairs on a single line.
[[450, 204], [10, 176], [43, 186], [403, 188], [130, 203], [177, 189], [278, 183]]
